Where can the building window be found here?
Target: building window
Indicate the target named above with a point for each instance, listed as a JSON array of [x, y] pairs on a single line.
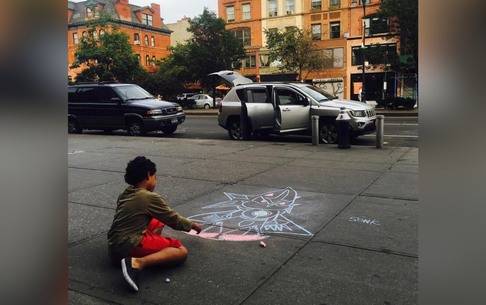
[[102, 32], [85, 34], [335, 3], [375, 25], [357, 58], [335, 30], [139, 59], [289, 6], [316, 31], [230, 13], [246, 11], [264, 61], [147, 19], [272, 8], [92, 11], [333, 58], [244, 35], [152, 41], [290, 28], [153, 60], [136, 38], [95, 35], [75, 38], [147, 60], [146, 40], [250, 61], [316, 5]]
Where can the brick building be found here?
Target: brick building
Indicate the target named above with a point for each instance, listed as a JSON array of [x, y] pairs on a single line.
[[148, 34], [336, 26]]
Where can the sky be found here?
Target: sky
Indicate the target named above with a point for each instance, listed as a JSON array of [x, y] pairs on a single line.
[[173, 10]]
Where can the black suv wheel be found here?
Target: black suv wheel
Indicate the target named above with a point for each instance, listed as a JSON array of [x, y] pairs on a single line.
[[73, 126], [136, 128]]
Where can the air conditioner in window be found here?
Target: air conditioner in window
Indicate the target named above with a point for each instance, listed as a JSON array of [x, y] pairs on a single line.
[[137, 42], [290, 12]]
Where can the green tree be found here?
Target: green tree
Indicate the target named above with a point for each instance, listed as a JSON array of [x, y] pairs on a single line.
[[295, 50], [403, 16], [107, 53], [212, 47]]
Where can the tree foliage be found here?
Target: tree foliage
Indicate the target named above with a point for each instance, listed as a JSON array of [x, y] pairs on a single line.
[[108, 56], [211, 48], [403, 15], [295, 50]]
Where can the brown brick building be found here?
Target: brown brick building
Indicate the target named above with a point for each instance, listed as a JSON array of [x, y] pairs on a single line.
[[148, 34], [336, 26]]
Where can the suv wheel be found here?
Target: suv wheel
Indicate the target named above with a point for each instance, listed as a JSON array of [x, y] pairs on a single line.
[[169, 129], [207, 106], [136, 128], [234, 129], [328, 132], [73, 126]]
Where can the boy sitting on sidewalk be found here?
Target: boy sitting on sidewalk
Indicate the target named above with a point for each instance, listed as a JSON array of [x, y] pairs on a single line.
[[134, 236]]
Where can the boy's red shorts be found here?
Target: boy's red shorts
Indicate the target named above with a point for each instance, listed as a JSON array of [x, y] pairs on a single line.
[[152, 242]]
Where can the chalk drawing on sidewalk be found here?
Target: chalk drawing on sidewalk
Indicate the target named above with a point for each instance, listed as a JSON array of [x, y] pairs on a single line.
[[249, 217], [364, 220]]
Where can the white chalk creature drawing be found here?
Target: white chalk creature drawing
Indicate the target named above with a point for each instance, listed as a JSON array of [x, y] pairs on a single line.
[[250, 217]]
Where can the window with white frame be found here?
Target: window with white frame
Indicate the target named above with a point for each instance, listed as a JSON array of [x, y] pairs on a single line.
[[146, 40], [335, 30], [316, 31], [152, 41], [153, 60], [264, 62], [333, 58], [147, 19], [246, 11], [272, 8], [289, 7], [250, 61], [147, 60], [316, 5], [75, 38], [102, 32], [89, 12], [244, 35], [139, 59], [95, 35], [136, 38], [230, 13]]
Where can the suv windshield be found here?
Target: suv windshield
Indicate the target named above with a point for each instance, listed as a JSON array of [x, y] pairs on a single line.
[[318, 94], [132, 93]]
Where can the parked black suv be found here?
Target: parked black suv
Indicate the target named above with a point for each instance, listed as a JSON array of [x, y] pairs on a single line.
[[111, 106]]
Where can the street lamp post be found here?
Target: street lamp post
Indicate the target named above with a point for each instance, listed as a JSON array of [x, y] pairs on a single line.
[[363, 45]]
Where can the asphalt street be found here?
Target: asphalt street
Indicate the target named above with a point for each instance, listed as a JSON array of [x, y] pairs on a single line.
[[340, 225]]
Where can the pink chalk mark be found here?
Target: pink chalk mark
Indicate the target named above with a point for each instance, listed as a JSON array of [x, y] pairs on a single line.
[[234, 237], [203, 234], [269, 195], [282, 203], [263, 244]]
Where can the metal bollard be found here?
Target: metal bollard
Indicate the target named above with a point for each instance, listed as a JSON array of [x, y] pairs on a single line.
[[315, 130], [379, 130], [343, 128]]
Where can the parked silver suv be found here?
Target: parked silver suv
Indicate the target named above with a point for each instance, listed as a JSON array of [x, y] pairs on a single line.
[[284, 108]]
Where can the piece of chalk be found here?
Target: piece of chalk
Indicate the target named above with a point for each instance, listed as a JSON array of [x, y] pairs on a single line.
[[262, 244], [167, 280]]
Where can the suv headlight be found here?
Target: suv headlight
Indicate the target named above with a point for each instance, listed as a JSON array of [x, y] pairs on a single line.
[[179, 108], [154, 111], [358, 113]]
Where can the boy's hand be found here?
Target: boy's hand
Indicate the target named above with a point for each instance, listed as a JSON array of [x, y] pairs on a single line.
[[197, 227]]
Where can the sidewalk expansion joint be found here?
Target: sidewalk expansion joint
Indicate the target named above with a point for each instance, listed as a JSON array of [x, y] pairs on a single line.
[[385, 251]]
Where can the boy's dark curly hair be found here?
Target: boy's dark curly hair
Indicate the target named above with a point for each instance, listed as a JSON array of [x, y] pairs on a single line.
[[137, 170]]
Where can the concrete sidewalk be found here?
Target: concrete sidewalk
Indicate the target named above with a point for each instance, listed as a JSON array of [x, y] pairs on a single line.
[[379, 111], [340, 225]]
